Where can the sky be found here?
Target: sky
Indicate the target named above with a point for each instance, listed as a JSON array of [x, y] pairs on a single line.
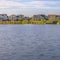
[[29, 7]]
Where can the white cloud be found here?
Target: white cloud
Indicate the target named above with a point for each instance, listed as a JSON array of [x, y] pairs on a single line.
[[7, 4], [24, 7], [43, 4], [32, 4]]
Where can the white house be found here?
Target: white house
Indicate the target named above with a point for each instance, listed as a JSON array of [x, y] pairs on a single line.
[[3, 17]]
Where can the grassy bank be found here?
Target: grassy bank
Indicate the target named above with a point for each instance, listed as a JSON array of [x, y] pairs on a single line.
[[31, 22]]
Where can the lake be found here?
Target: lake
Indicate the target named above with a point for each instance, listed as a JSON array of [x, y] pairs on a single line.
[[29, 42]]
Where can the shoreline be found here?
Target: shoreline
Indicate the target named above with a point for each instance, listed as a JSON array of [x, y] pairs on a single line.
[[31, 22]]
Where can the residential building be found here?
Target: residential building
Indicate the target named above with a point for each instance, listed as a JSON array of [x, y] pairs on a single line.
[[13, 18], [58, 17], [54, 17], [3, 17], [26, 18], [20, 17], [39, 17]]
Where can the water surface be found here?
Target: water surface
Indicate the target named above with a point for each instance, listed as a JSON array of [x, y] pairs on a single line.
[[29, 42]]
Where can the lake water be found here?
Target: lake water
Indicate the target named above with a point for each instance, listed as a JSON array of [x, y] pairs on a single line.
[[29, 42]]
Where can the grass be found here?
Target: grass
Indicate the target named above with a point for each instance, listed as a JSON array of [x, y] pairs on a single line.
[[31, 22]]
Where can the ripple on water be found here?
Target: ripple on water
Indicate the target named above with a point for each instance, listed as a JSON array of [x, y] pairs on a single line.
[[29, 42]]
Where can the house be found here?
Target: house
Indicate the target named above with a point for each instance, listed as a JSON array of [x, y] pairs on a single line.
[[26, 18], [3, 17], [58, 17], [20, 17], [39, 17], [16, 17], [13, 18], [52, 17]]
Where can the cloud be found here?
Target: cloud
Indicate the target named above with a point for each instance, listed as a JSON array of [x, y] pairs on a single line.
[[31, 4], [16, 6], [8, 4], [42, 4]]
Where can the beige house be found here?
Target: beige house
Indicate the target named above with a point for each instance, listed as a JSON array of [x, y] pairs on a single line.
[[12, 17], [53, 17]]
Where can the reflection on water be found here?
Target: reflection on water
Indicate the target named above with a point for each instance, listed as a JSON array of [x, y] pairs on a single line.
[[29, 42]]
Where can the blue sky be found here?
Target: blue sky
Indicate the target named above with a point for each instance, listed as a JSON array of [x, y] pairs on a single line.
[[29, 7]]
